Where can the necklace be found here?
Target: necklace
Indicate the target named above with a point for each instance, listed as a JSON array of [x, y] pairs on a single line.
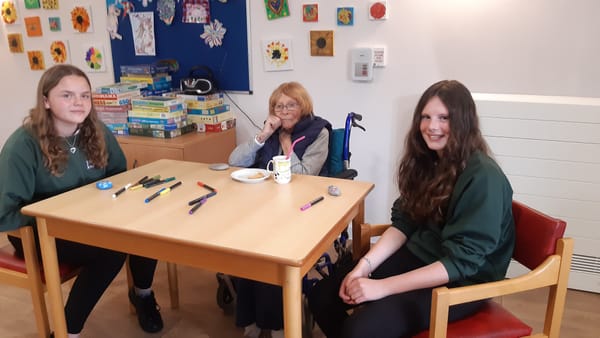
[[72, 147]]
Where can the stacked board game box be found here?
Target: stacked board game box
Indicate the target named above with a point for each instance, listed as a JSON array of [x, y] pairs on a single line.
[[112, 103], [155, 78], [158, 116], [209, 112]]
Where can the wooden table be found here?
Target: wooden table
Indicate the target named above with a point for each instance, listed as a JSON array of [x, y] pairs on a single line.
[[255, 231]]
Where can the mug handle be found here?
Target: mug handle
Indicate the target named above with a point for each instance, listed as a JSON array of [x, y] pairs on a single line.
[[270, 163]]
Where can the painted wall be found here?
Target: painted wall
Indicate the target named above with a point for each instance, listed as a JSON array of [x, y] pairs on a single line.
[[534, 47]]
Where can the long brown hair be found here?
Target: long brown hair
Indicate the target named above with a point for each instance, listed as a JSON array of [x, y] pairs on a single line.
[[40, 122], [426, 180]]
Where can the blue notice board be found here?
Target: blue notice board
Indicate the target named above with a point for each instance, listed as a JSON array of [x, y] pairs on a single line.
[[182, 42]]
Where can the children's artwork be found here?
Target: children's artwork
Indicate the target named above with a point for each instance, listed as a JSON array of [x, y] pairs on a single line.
[[59, 50], [81, 18], [166, 11], [345, 16], [54, 23], [277, 55], [15, 43], [50, 4], [196, 11], [32, 4], [9, 12], [142, 26], [277, 9], [112, 21], [95, 59], [378, 10], [36, 60], [33, 26], [214, 33], [321, 43], [310, 12]]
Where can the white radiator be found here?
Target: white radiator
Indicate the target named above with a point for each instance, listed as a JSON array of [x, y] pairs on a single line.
[[549, 147]]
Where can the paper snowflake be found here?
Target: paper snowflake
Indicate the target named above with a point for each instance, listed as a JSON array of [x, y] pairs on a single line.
[[213, 33]]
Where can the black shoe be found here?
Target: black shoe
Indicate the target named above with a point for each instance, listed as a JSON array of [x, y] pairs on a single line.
[[148, 312]]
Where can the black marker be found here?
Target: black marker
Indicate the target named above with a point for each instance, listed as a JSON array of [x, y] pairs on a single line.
[[194, 201]]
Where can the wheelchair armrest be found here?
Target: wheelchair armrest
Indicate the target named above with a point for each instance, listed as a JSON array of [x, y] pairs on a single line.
[[348, 174]]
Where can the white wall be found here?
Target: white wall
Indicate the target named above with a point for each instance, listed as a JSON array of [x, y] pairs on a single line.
[[494, 46], [536, 47]]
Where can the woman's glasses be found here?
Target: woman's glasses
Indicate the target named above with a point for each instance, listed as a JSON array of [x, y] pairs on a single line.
[[288, 107]]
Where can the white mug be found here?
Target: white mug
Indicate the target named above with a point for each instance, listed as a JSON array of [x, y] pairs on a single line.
[[282, 169]]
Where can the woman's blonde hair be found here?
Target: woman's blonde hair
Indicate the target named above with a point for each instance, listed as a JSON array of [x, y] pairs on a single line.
[[297, 92]]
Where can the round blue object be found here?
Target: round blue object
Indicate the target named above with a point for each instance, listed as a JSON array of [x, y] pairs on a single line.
[[104, 185]]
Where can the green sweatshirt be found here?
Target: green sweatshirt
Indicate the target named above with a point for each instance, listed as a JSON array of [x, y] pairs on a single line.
[[24, 179], [476, 243]]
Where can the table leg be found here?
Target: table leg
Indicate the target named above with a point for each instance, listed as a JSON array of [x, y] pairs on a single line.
[[292, 302], [50, 262], [356, 222]]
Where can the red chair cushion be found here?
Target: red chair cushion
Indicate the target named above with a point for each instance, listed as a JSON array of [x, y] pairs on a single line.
[[11, 261], [492, 321]]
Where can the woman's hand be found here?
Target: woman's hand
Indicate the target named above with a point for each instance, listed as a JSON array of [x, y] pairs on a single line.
[[362, 289], [351, 290], [271, 124]]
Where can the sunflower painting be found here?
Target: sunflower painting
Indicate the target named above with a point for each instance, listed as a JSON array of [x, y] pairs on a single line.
[[9, 12], [15, 43], [277, 55], [36, 60], [94, 59], [58, 50], [81, 19]]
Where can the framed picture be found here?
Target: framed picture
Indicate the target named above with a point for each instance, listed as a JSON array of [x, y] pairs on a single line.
[[277, 54]]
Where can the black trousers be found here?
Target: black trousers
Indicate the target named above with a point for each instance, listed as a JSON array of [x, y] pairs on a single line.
[[98, 268], [259, 303], [400, 315]]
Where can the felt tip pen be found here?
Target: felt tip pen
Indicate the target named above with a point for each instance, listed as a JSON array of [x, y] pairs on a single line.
[[170, 188], [197, 206], [120, 191], [311, 203], [153, 196], [142, 180], [206, 186], [151, 184], [199, 199]]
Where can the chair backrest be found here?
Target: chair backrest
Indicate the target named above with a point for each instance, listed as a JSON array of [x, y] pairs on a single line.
[[536, 235], [335, 161]]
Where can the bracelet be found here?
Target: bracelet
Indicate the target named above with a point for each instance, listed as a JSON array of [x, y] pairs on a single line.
[[369, 263]]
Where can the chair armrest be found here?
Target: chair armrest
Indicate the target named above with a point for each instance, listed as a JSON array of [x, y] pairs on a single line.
[[348, 174], [545, 274], [366, 232], [552, 272]]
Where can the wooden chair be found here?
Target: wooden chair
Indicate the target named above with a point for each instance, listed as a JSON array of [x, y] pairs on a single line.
[[540, 246], [26, 272]]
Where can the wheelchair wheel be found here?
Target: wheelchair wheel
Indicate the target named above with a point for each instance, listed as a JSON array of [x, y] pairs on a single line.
[[225, 298]]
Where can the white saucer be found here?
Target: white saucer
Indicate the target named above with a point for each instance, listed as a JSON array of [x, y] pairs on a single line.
[[250, 175]]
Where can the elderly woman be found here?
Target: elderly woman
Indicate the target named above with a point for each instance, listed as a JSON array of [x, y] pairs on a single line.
[[259, 305], [290, 117]]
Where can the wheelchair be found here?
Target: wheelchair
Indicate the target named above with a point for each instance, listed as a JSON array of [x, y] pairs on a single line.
[[338, 162]]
